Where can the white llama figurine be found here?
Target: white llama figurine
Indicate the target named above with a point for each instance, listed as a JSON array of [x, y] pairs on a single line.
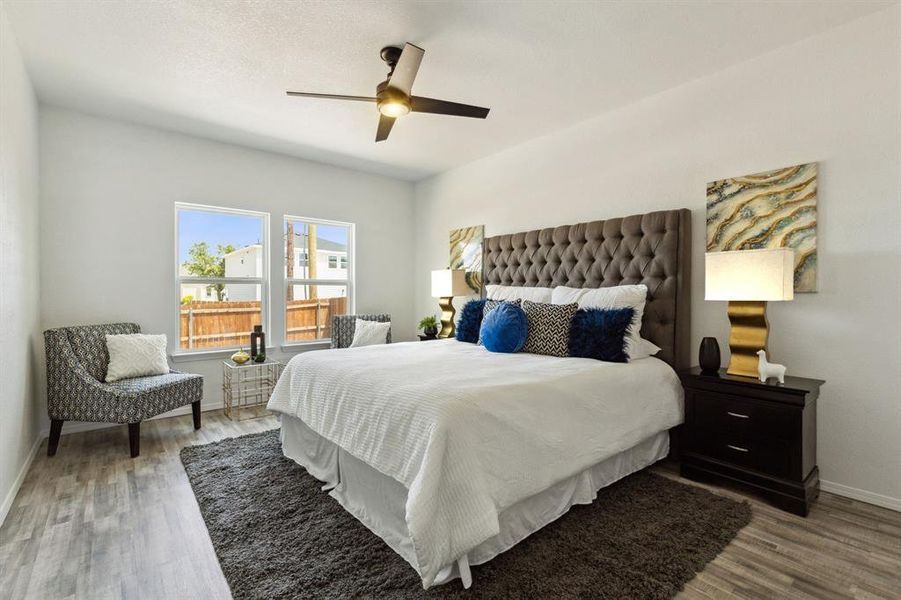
[[766, 369]]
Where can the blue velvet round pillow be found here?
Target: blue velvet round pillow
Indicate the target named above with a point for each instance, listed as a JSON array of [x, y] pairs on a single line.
[[505, 328]]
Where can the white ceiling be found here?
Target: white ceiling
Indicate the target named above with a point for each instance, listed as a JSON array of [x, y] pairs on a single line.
[[220, 69]]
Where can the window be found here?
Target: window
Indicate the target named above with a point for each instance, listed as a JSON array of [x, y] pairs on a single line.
[[222, 259], [322, 286]]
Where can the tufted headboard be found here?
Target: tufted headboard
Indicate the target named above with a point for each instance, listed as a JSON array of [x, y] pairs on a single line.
[[653, 249]]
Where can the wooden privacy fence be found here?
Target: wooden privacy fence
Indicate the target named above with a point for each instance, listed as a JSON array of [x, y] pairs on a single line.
[[217, 324], [312, 319]]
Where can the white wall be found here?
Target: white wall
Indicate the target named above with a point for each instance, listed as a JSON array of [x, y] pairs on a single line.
[[833, 99], [107, 232], [20, 336]]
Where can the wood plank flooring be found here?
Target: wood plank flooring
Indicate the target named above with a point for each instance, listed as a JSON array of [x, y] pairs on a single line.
[[93, 523]]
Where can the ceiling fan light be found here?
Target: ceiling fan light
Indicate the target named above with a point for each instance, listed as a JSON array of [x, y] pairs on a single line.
[[394, 109]]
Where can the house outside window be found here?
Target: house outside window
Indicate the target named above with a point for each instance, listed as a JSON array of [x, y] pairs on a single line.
[[321, 286], [222, 276]]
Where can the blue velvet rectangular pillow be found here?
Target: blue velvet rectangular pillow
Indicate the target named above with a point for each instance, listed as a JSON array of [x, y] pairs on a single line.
[[600, 334]]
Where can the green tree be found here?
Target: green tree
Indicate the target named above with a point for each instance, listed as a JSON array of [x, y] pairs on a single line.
[[201, 263]]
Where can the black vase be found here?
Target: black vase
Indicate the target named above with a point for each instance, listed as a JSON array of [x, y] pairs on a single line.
[[257, 342], [709, 356]]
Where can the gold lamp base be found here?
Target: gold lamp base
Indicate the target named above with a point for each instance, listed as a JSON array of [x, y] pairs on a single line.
[[750, 332], [447, 317]]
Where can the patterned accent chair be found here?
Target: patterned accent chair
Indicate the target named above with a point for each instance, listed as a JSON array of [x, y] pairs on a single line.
[[343, 328], [77, 359]]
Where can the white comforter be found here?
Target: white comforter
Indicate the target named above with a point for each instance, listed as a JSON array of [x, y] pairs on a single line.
[[470, 432]]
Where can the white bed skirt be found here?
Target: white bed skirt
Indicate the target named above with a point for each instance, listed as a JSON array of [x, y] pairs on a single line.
[[379, 501]]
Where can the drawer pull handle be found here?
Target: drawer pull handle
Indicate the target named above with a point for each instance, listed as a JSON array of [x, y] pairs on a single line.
[[736, 448], [738, 415]]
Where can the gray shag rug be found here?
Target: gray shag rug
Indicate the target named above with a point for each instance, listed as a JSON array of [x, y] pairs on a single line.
[[278, 535]]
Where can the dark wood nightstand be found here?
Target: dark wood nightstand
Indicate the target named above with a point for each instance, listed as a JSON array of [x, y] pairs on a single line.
[[760, 435]]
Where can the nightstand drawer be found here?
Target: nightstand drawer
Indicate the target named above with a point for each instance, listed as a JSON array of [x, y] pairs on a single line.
[[767, 455], [723, 413]]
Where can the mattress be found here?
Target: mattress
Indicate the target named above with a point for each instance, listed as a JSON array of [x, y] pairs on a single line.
[[469, 433], [379, 501]]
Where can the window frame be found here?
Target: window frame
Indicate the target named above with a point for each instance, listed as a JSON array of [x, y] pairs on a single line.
[[348, 283], [265, 312]]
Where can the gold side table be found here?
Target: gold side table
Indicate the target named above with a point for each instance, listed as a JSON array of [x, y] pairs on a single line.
[[246, 388]]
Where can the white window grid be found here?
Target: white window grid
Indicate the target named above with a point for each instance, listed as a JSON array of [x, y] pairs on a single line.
[[347, 283], [262, 281]]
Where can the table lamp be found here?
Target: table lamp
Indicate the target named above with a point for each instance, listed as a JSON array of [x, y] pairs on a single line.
[[446, 284], [748, 279]]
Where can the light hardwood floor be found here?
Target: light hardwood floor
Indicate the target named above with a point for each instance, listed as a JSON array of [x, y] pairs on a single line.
[[93, 523]]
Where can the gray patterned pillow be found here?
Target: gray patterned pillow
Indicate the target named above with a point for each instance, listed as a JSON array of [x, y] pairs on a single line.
[[490, 305], [549, 326]]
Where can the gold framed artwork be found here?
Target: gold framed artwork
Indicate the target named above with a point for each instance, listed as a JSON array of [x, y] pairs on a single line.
[[773, 209], [466, 254]]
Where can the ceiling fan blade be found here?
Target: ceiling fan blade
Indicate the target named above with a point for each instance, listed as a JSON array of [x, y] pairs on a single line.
[[332, 96], [385, 125], [406, 68], [443, 107]]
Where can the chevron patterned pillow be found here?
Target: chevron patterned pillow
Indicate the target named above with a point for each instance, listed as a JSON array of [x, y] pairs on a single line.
[[549, 326]]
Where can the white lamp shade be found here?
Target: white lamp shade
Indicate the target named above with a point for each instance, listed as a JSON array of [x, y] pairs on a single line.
[[447, 282], [750, 275]]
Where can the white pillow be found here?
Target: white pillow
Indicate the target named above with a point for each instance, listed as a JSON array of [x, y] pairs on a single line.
[[370, 333], [619, 296], [135, 355], [512, 292], [644, 349]]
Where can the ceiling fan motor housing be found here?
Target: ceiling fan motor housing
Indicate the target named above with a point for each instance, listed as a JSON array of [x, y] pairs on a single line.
[[389, 95]]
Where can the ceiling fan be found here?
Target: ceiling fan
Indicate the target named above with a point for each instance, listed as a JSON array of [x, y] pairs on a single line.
[[393, 97]]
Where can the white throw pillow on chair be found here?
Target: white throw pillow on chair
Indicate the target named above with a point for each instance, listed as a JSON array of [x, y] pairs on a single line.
[[370, 333], [135, 355]]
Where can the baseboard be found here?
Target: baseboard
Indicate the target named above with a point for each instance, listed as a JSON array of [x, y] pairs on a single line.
[[11, 495], [862, 495], [81, 426]]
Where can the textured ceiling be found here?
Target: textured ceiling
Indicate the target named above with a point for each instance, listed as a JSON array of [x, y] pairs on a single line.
[[220, 69]]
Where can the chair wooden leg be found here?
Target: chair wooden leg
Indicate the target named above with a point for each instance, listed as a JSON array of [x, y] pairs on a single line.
[[195, 410], [134, 438], [56, 429]]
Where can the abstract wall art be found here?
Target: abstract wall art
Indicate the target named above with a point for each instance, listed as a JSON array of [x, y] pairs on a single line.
[[774, 209], [466, 253]]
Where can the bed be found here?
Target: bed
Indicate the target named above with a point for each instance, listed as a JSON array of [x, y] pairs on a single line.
[[453, 454]]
